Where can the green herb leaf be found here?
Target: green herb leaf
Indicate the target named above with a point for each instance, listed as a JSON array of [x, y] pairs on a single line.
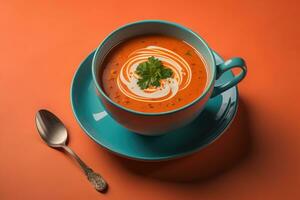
[[151, 72]]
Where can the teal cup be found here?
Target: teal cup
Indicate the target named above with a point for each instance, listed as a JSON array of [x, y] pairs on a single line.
[[163, 122]]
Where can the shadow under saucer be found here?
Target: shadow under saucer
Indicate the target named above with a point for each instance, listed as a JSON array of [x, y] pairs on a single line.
[[226, 153]]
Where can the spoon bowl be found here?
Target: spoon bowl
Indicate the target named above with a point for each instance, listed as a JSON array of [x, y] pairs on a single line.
[[51, 129]]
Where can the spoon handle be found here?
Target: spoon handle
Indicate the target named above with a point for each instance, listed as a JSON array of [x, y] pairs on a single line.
[[98, 182]]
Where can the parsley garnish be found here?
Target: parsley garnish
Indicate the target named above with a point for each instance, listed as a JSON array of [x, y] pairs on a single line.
[[151, 72]]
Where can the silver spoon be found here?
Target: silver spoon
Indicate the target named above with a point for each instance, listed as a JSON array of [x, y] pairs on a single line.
[[55, 134]]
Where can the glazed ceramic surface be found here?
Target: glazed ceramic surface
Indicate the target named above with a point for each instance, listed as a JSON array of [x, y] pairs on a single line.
[[164, 122], [104, 130]]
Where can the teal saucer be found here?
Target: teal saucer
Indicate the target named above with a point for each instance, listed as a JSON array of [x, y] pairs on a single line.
[[98, 125]]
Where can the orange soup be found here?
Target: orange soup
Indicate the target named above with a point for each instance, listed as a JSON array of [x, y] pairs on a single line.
[[153, 73]]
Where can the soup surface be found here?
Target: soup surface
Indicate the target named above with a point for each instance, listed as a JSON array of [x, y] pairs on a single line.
[[153, 73]]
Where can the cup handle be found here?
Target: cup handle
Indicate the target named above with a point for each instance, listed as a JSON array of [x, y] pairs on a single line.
[[227, 65]]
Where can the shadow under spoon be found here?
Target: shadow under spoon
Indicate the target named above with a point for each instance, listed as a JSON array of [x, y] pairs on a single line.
[[55, 134]]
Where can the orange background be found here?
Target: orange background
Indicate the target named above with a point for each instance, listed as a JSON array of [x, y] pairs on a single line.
[[42, 44]]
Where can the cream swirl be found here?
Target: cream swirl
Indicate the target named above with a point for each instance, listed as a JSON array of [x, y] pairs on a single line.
[[127, 79]]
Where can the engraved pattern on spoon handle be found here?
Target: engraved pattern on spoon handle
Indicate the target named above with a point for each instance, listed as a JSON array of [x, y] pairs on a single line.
[[95, 179]]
